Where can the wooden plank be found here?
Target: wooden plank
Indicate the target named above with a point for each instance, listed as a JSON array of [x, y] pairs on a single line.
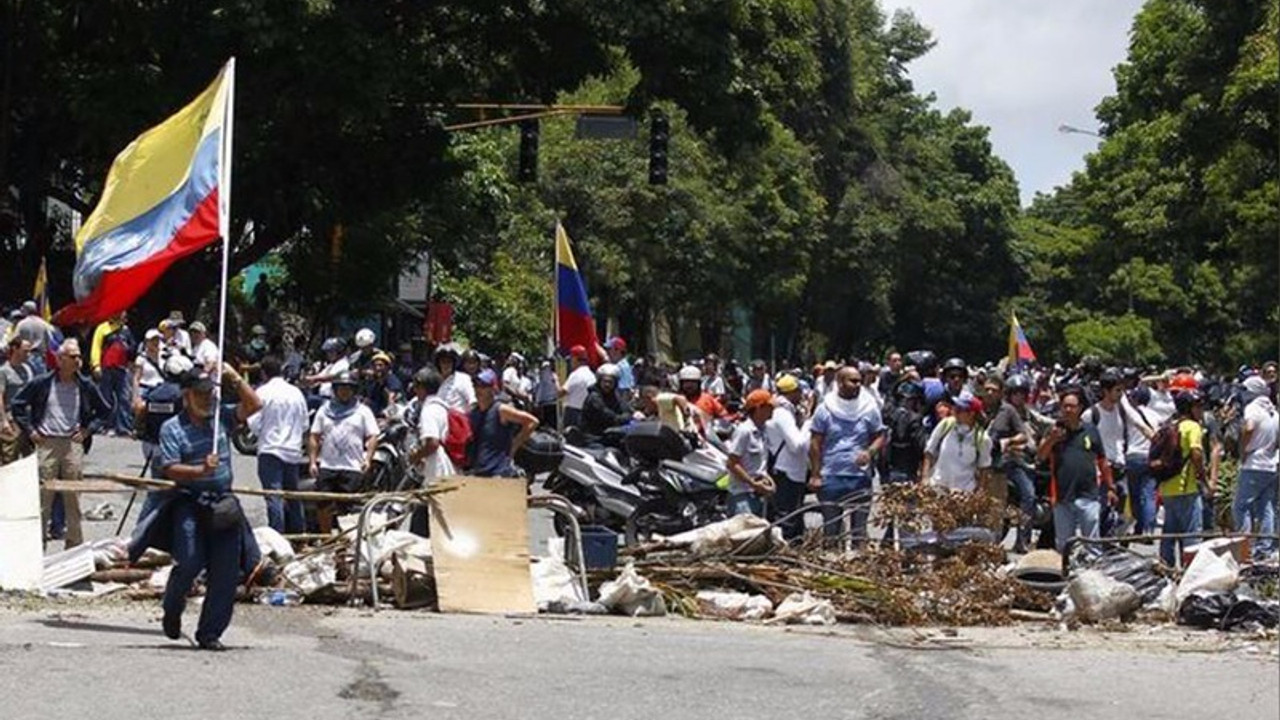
[[480, 547]]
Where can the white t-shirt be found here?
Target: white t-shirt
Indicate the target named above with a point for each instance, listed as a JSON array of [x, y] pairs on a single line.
[[1139, 418], [282, 421], [714, 385], [782, 432], [433, 423], [958, 452], [151, 376], [457, 391], [749, 446], [335, 368], [1111, 428], [342, 443], [1161, 407], [576, 387], [514, 382], [1261, 453], [206, 353]]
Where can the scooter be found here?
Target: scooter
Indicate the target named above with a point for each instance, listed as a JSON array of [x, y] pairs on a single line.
[[682, 487], [592, 479]]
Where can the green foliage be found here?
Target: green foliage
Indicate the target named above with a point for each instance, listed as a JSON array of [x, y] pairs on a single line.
[[1124, 339], [1174, 221]]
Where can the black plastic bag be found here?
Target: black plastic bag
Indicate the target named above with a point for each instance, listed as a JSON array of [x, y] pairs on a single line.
[[1227, 611]]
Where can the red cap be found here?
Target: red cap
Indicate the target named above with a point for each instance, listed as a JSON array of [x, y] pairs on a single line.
[[617, 343], [578, 351]]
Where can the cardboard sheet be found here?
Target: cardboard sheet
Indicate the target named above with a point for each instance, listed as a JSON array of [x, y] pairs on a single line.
[[21, 542], [480, 544]]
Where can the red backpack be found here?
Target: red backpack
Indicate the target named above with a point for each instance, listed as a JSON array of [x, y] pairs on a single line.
[[458, 437]]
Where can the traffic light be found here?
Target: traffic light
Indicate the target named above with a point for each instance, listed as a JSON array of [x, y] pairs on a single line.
[[528, 170], [659, 135]]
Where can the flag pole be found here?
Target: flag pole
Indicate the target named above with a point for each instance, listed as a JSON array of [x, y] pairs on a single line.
[[224, 229], [556, 366]]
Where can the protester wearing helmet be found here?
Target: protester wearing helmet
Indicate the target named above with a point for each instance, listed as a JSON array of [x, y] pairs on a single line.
[[904, 451], [336, 364], [576, 386], [343, 436], [381, 388], [1181, 493], [604, 407], [692, 383], [955, 375], [457, 392], [515, 383], [361, 361], [1015, 436]]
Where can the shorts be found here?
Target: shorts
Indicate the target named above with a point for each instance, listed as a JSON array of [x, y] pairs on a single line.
[[340, 481]]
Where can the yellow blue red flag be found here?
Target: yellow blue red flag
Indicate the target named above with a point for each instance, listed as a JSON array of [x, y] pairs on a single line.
[[1019, 349], [159, 204]]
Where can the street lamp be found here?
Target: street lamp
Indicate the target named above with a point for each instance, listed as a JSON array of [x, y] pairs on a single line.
[[1071, 129]]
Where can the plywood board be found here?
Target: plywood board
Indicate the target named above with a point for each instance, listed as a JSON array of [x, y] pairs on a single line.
[[21, 539], [480, 546]]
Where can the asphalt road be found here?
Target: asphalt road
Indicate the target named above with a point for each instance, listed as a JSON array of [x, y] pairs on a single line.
[[111, 663]]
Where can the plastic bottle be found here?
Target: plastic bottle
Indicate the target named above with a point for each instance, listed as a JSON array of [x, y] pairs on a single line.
[[280, 598]]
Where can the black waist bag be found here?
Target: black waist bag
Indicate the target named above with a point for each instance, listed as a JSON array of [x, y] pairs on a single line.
[[223, 513]]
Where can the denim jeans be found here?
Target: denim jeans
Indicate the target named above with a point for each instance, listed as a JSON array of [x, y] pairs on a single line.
[[839, 488], [276, 474], [197, 549], [745, 504], [119, 394], [786, 501], [1075, 517], [1142, 493], [1254, 507], [1025, 484], [1182, 514]]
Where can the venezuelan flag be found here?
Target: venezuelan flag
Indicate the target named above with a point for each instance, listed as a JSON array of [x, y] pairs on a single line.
[[574, 325], [159, 204], [1019, 349], [40, 292]]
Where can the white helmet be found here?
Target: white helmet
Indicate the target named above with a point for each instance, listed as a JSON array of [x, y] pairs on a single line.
[[689, 372], [364, 338], [177, 364], [608, 370]]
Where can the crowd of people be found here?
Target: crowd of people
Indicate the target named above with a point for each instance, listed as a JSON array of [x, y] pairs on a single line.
[[1078, 440]]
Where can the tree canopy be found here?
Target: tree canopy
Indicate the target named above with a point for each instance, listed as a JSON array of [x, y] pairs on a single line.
[[812, 188]]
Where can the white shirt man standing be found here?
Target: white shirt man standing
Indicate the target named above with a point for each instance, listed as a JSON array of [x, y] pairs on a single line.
[[1254, 505], [281, 427], [204, 351], [577, 386]]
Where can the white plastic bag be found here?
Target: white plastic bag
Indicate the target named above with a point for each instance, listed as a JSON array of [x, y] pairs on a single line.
[[727, 535], [273, 545], [805, 609], [733, 605], [1098, 597], [311, 573], [632, 595], [1213, 569], [554, 585]]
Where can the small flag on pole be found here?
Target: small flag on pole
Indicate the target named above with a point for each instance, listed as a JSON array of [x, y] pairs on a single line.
[[1020, 352], [159, 204], [40, 293], [574, 324]]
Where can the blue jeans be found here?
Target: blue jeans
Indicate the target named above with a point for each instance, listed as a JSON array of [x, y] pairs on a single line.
[[1254, 507], [839, 488], [1182, 514], [197, 549], [117, 391], [276, 474], [745, 504], [1142, 493], [1075, 517], [1025, 485]]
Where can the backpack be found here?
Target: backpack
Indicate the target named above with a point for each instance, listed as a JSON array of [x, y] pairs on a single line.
[[1165, 456], [458, 437]]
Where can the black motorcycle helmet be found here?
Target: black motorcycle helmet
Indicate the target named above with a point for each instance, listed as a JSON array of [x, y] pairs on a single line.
[[1185, 400], [1017, 383], [955, 364], [924, 361]]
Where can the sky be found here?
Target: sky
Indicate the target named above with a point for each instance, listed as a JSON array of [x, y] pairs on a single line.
[[1023, 68]]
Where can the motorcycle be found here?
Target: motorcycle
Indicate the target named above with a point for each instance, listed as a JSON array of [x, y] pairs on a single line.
[[591, 477], [681, 488], [390, 469]]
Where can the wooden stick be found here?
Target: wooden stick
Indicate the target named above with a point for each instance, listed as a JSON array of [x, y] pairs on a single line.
[[88, 485]]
